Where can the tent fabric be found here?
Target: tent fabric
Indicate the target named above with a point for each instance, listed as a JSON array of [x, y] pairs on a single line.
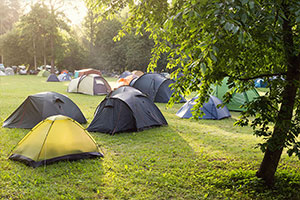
[[64, 72], [259, 83], [125, 74], [88, 71], [9, 71], [2, 68], [23, 72], [238, 99], [2, 73], [39, 106], [126, 109], [52, 78], [155, 86], [137, 73], [44, 73], [64, 77], [210, 109], [91, 84], [55, 138], [126, 80]]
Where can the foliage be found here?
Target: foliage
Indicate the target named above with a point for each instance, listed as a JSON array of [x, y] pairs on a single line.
[[9, 14], [242, 39], [188, 159]]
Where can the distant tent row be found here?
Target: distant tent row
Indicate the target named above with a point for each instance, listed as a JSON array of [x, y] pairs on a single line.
[[8, 71]]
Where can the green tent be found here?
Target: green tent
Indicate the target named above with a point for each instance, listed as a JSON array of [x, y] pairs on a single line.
[[238, 99], [44, 73]]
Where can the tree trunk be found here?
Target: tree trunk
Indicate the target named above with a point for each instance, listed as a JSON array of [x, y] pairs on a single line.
[[45, 58], [34, 53], [283, 123], [52, 53]]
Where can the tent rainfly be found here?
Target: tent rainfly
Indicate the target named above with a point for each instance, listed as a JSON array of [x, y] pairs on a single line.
[[55, 138], [210, 109], [88, 71], [125, 74], [238, 99], [155, 86], [64, 77], [2, 73], [52, 78], [126, 109], [91, 84], [44, 73], [9, 71], [39, 106]]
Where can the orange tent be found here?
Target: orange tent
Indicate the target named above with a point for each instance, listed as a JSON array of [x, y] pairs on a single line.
[[125, 81]]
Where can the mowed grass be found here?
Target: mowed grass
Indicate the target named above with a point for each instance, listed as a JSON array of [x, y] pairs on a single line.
[[188, 159]]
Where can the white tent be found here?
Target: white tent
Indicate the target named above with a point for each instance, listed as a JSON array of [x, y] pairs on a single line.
[[9, 71], [91, 84], [2, 73]]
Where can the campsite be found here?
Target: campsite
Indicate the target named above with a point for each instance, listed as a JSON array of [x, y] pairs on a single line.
[[188, 159], [164, 99]]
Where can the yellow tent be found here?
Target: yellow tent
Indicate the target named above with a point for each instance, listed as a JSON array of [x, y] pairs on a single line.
[[56, 138]]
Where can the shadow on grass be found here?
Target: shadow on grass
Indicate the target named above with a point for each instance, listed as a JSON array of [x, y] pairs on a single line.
[[244, 181]]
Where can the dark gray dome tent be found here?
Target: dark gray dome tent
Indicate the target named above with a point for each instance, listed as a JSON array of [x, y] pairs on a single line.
[[52, 78], [125, 74], [210, 109], [155, 86], [126, 109], [39, 106]]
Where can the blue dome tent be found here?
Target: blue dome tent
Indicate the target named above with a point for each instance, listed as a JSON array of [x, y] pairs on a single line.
[[210, 109]]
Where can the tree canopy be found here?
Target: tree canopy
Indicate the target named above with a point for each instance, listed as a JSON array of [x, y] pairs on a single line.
[[239, 39]]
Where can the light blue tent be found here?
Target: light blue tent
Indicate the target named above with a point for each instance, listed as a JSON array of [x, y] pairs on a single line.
[[210, 109], [259, 83], [64, 77]]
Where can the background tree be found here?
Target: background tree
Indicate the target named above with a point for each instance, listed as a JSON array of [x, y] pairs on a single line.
[[9, 14], [243, 39]]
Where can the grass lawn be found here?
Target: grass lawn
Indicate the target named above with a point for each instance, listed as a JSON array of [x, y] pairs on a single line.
[[188, 159]]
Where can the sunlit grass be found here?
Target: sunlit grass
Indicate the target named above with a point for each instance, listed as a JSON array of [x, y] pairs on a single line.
[[188, 159]]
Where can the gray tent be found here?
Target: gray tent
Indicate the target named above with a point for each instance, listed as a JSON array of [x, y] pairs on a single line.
[[39, 106], [126, 109], [92, 84], [155, 86], [210, 109], [52, 78], [2, 73], [9, 71]]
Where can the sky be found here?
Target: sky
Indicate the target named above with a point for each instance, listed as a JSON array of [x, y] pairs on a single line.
[[75, 10]]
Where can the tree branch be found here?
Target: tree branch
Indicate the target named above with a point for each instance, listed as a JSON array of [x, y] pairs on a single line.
[[259, 76]]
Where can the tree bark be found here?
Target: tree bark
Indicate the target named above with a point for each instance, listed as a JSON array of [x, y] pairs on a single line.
[[282, 126], [52, 53], [45, 58], [34, 53]]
